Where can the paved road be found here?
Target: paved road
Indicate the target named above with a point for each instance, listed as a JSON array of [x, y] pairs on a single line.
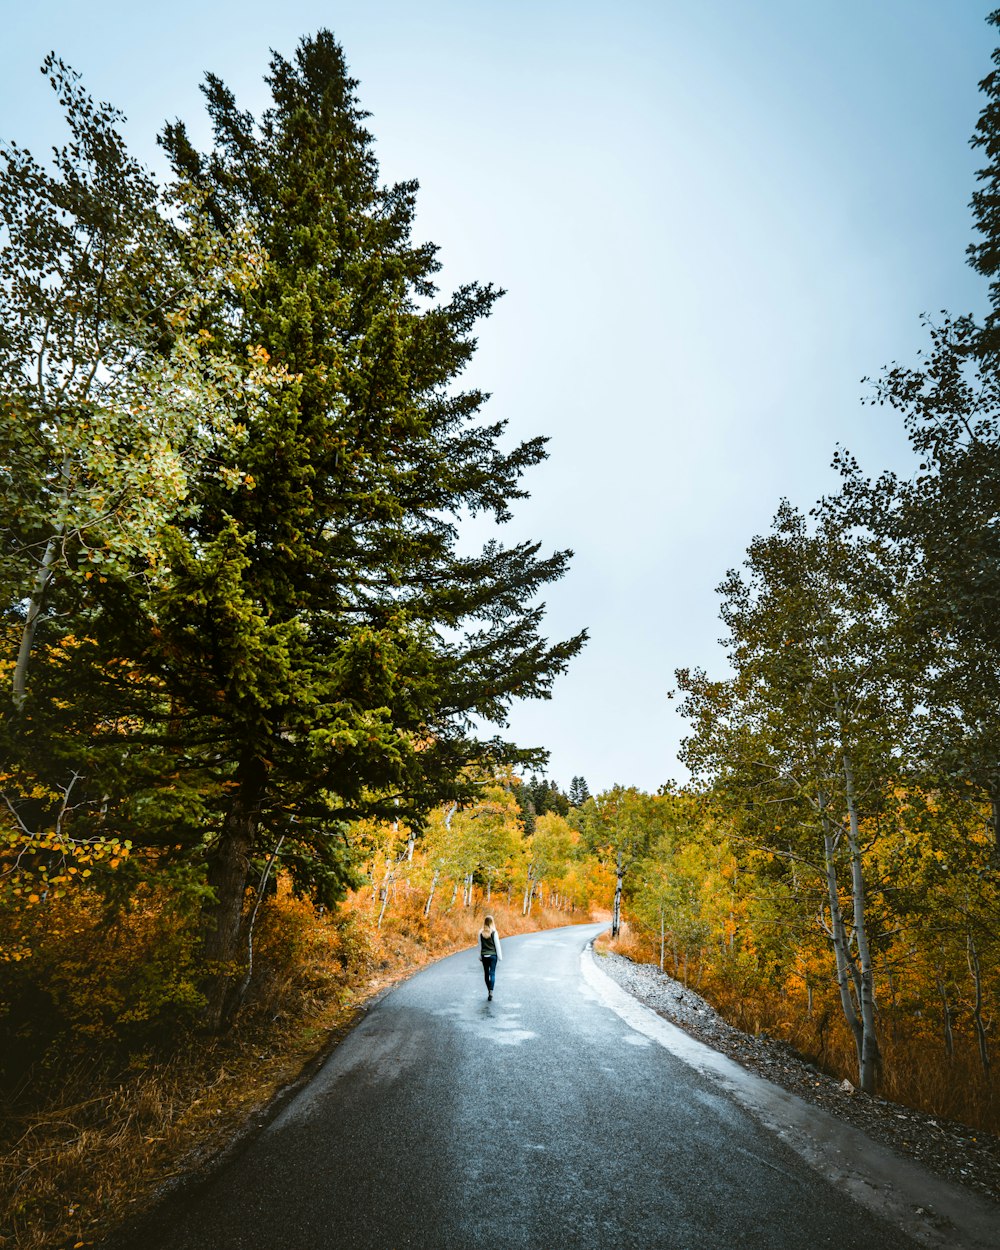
[[539, 1121]]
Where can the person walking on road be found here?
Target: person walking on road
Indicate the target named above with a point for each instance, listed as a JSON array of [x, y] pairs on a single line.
[[489, 952]]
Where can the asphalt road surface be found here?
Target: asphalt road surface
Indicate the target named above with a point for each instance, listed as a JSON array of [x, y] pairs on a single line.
[[540, 1121]]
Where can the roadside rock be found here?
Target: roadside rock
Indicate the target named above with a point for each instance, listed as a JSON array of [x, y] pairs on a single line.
[[950, 1150]]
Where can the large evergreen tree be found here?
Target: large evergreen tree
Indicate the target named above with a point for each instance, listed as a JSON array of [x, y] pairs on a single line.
[[320, 650]]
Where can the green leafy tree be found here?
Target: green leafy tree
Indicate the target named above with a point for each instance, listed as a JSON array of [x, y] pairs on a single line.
[[495, 825], [546, 854], [944, 518], [617, 826], [806, 736], [110, 395], [942, 521]]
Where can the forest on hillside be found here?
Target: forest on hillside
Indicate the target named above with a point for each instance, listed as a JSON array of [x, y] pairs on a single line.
[[245, 661]]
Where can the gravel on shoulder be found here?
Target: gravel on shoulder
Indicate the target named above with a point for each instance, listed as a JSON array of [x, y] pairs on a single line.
[[950, 1150]]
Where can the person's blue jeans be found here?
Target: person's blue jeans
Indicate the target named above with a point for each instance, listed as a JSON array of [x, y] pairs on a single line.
[[490, 971]]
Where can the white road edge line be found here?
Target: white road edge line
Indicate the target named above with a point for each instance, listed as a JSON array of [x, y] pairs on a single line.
[[932, 1211]]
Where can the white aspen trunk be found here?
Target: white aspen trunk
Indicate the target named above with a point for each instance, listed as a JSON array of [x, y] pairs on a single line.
[[430, 896], [866, 977], [454, 895], [40, 585], [663, 938], [38, 589], [383, 894], [529, 894], [949, 1037], [977, 1010], [838, 938], [616, 912]]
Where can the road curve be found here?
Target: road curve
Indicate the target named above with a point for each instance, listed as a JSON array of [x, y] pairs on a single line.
[[540, 1121]]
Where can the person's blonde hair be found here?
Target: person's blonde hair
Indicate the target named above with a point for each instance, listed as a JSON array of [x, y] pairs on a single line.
[[488, 920]]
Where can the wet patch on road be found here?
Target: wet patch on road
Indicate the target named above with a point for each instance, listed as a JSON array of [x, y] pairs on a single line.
[[490, 1022]]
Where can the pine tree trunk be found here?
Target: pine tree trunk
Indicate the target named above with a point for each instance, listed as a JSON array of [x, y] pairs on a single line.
[[227, 876]]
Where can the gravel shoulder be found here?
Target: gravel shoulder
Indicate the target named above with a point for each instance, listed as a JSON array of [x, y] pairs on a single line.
[[950, 1150]]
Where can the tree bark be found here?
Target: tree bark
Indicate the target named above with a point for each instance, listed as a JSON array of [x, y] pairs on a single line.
[[430, 896], [838, 938], [977, 1010], [227, 876], [946, 1029], [616, 913], [869, 1038], [663, 938], [38, 589]]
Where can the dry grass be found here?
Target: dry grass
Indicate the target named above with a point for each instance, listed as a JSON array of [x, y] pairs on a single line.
[[97, 1152], [915, 1070]]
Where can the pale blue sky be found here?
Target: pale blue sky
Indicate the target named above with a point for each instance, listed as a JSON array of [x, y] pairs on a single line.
[[712, 218]]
